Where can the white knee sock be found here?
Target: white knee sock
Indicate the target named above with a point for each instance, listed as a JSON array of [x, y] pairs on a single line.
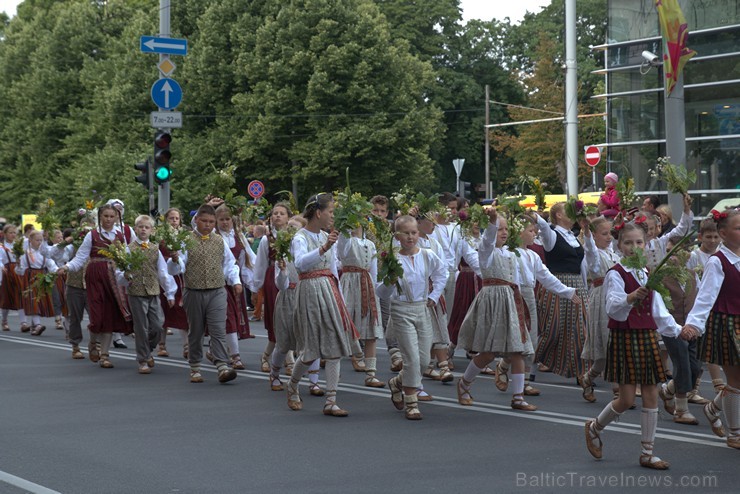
[[232, 343], [22, 316], [5, 315], [313, 371], [731, 403], [471, 372], [270, 347], [649, 424], [277, 359], [36, 320], [517, 384], [332, 380], [298, 370], [370, 365], [607, 416]]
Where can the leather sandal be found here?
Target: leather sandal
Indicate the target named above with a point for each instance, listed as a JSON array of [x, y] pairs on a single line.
[[76, 353], [162, 351], [295, 402], [265, 362], [652, 461], [462, 393], [105, 363], [276, 384], [488, 371], [358, 364], [520, 404], [396, 364], [25, 328], [315, 390], [591, 436], [226, 375], [93, 353], [5, 326], [530, 390], [196, 376], [588, 389], [502, 378], [669, 402], [37, 330], [374, 382], [144, 369], [236, 363], [58, 323], [684, 417], [714, 421], [333, 410], [396, 392]]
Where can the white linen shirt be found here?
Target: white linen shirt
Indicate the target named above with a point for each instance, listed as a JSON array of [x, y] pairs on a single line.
[[709, 288], [416, 278]]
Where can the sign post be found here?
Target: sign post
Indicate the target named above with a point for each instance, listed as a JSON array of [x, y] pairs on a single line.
[[458, 164]]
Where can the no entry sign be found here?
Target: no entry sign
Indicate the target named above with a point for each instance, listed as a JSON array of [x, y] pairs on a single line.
[[593, 155]]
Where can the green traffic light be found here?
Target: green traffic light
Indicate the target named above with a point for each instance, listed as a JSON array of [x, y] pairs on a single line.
[[162, 174]]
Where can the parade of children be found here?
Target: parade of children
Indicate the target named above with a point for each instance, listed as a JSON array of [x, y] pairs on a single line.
[[570, 303]]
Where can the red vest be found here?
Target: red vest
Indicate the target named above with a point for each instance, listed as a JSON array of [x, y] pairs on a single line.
[[640, 316], [727, 301]]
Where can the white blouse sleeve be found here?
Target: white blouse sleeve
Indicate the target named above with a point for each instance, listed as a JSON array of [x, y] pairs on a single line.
[[261, 263], [548, 237], [549, 280], [438, 276], [82, 255], [711, 283], [591, 255], [663, 319], [166, 281]]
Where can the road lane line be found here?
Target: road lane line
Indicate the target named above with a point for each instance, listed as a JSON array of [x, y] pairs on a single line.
[[24, 484], [490, 408]]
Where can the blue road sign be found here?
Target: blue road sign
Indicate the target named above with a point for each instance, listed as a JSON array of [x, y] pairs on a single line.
[[167, 46], [166, 94]]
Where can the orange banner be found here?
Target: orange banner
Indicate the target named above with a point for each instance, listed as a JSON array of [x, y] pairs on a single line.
[[675, 32]]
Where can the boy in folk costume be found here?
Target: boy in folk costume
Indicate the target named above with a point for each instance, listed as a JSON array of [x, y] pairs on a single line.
[[412, 312], [33, 262], [716, 318], [143, 293], [11, 297], [380, 210], [633, 355], [322, 324], [207, 267]]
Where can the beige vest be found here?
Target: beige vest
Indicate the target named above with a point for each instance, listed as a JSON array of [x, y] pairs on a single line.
[[77, 278], [145, 282], [204, 270]]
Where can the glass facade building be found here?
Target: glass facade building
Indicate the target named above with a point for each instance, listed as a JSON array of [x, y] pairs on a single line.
[[634, 96]]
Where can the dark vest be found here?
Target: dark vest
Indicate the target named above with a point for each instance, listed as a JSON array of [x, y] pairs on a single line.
[[641, 316], [563, 258], [727, 300]]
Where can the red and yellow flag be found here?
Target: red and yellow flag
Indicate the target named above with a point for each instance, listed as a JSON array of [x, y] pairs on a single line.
[[675, 32]]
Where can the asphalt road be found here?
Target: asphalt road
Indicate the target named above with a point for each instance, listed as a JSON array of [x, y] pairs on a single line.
[[69, 426]]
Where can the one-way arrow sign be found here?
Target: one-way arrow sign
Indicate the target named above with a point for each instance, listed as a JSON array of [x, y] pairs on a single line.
[[166, 94], [168, 46]]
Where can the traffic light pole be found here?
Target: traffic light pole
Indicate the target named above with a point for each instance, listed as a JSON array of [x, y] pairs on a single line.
[[163, 199]]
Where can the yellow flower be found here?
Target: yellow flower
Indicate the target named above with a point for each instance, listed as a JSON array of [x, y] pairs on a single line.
[[90, 205], [50, 203], [536, 182]]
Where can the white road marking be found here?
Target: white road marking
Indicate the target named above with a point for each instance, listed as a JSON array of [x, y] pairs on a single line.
[[483, 407], [24, 484]]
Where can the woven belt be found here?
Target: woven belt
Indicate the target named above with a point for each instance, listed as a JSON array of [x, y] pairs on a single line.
[[291, 286], [521, 307], [367, 291], [326, 273], [598, 282], [466, 269]]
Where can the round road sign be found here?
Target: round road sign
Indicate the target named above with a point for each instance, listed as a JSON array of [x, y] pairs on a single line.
[[256, 189], [593, 155]]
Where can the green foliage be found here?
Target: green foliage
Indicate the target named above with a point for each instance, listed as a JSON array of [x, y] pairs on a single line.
[[472, 221], [42, 284], [282, 244], [677, 178]]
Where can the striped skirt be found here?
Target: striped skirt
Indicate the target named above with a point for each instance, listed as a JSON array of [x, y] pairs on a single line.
[[237, 319], [60, 286], [721, 341], [34, 303], [11, 289], [467, 287], [562, 328], [633, 357]]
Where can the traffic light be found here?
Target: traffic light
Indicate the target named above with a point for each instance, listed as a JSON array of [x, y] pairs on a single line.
[[467, 189], [162, 157], [143, 179]]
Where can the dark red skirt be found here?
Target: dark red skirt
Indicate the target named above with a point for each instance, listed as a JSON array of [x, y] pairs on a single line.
[[61, 286], [271, 293], [34, 303], [237, 319], [174, 317], [106, 302], [10, 290], [467, 287]]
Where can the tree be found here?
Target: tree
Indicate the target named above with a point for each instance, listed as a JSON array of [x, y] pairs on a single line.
[[330, 89]]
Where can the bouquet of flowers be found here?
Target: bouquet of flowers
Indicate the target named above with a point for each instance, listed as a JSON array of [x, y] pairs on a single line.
[[537, 188], [577, 210], [171, 239], [626, 192], [254, 211], [428, 207], [516, 227], [675, 270], [403, 199], [18, 248], [509, 205], [42, 283], [46, 216], [282, 244], [390, 269], [222, 185], [291, 200], [677, 178], [351, 211], [78, 235], [126, 261], [468, 220]]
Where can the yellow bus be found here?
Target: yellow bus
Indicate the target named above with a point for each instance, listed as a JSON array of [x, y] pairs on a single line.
[[551, 199]]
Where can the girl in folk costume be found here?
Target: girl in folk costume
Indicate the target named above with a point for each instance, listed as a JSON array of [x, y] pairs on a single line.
[[57, 254], [175, 316], [496, 324], [709, 241], [264, 276], [532, 271], [600, 258], [237, 318], [440, 335], [128, 235], [207, 266], [33, 262], [106, 306], [412, 312], [322, 324], [286, 339], [143, 287], [11, 296], [562, 324], [359, 275], [633, 356], [716, 317]]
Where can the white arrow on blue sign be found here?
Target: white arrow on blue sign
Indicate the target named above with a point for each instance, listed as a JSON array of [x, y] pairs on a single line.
[[167, 46], [166, 94]]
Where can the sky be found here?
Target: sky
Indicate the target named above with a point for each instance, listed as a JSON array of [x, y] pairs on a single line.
[[472, 9]]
